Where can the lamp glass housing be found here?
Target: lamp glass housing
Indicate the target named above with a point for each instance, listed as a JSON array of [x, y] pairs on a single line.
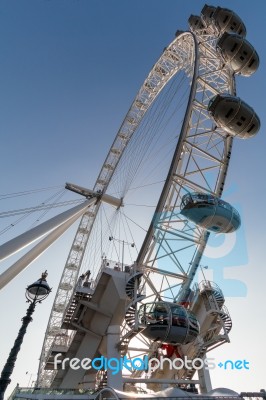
[[38, 290]]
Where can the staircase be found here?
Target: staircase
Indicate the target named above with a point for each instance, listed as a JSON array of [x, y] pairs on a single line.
[[211, 294], [133, 284], [133, 293], [226, 318], [130, 315], [69, 314], [89, 315]]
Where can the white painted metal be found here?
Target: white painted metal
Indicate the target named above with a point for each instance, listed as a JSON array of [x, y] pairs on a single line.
[[205, 380], [35, 252], [25, 239], [106, 198], [113, 335], [176, 57], [92, 318], [200, 163]]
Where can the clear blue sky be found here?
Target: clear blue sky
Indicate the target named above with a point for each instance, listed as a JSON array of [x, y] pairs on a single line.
[[69, 72]]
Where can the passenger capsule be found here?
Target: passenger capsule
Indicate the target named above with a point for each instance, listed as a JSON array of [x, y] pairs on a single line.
[[225, 20], [195, 23], [210, 212], [207, 13], [168, 323], [234, 115], [239, 54]]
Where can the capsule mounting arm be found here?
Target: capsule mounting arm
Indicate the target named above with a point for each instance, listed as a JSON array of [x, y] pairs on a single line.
[[90, 193]]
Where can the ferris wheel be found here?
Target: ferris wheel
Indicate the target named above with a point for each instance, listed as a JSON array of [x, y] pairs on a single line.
[[169, 160]]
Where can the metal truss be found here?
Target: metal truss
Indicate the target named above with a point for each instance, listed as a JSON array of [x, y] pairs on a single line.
[[173, 247], [176, 57], [200, 164]]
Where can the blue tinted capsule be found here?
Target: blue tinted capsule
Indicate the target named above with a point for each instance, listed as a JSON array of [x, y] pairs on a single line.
[[210, 212]]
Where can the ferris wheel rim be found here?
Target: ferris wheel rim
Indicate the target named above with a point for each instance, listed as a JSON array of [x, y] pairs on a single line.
[[178, 37], [104, 188], [221, 81]]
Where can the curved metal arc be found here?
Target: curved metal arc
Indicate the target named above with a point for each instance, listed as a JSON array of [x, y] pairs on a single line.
[[89, 221], [176, 157], [223, 166], [131, 111], [219, 189]]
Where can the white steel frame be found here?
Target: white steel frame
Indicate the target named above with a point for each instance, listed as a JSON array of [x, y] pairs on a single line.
[[202, 149]]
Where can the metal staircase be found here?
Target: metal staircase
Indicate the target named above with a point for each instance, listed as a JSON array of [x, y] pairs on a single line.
[[134, 293], [216, 323], [213, 299], [133, 284], [70, 311], [130, 315], [226, 318], [211, 293]]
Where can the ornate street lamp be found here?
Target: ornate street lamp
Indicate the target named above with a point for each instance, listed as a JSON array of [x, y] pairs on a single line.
[[35, 293]]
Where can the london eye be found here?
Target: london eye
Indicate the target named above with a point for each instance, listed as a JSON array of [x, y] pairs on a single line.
[[129, 287]]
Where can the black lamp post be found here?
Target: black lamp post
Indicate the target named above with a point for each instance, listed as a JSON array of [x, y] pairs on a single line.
[[35, 293]]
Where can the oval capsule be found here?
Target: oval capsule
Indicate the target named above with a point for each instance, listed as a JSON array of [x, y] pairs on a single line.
[[195, 23], [207, 14], [224, 19], [167, 322], [239, 54], [210, 212], [234, 115]]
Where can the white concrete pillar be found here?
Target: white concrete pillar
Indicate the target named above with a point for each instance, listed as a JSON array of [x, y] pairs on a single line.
[[114, 378], [205, 380]]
